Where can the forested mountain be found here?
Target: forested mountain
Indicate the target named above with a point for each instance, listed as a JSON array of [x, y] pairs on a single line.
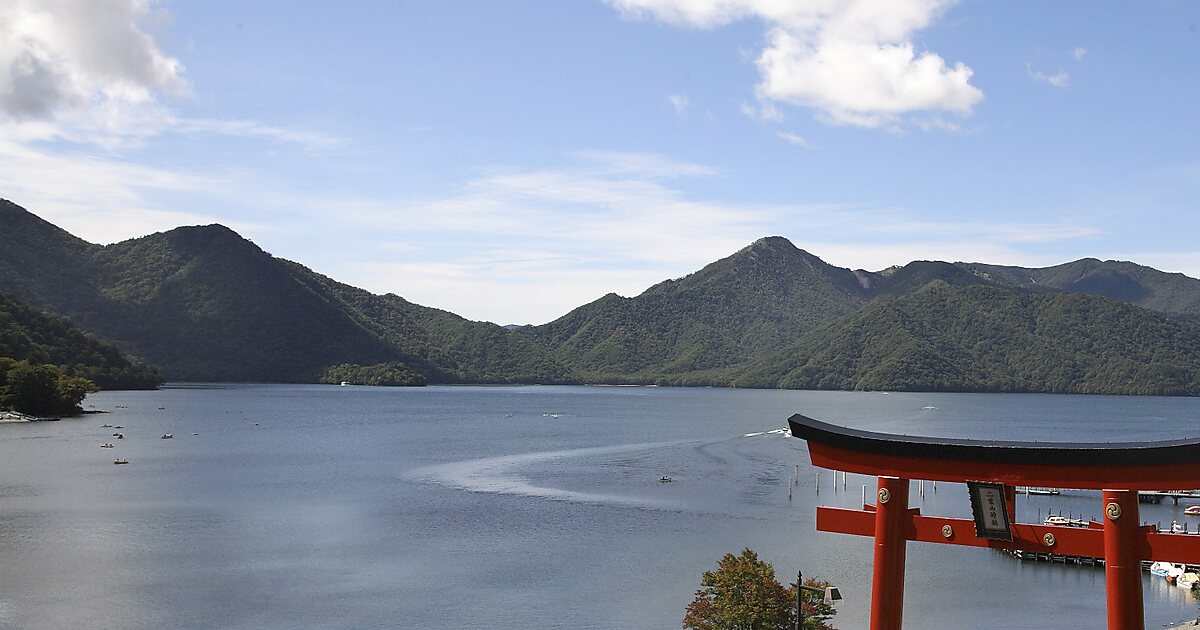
[[202, 303], [987, 338], [27, 334], [1172, 293], [736, 308]]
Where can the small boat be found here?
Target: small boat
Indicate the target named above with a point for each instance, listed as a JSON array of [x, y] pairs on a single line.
[[665, 479], [1192, 510], [1027, 490], [119, 436], [118, 427], [106, 445], [1176, 528], [344, 384], [166, 436], [1187, 580], [1173, 574], [106, 426], [120, 461], [1064, 520], [1160, 568]]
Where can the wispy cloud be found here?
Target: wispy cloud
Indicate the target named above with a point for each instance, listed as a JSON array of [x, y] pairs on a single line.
[[1058, 79], [1078, 53], [854, 63], [795, 139], [679, 102], [547, 240]]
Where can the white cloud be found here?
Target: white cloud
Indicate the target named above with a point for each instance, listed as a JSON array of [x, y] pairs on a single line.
[[793, 139], [1078, 53], [679, 102], [853, 62], [84, 71], [76, 56], [1058, 80]]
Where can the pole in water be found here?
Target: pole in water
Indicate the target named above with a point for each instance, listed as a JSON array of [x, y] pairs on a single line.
[[864, 499], [818, 483]]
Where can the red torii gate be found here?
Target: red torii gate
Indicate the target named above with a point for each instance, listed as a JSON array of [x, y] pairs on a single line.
[[1119, 470]]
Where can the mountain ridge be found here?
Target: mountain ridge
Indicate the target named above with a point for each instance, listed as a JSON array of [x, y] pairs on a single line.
[[204, 303]]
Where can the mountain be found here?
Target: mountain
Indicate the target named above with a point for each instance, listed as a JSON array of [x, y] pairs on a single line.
[[27, 334], [202, 303], [989, 338], [687, 330], [1172, 293]]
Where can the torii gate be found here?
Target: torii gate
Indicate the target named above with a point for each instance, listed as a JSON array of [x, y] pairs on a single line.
[[1119, 470]]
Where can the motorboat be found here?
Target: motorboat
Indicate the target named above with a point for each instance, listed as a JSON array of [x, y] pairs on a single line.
[[1160, 568], [166, 436], [1192, 510], [665, 479], [120, 461], [1176, 528], [1065, 520], [106, 445]]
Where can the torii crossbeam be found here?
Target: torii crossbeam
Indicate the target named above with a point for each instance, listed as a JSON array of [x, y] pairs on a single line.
[[1119, 470]]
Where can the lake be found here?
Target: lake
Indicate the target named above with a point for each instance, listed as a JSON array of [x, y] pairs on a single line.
[[505, 507]]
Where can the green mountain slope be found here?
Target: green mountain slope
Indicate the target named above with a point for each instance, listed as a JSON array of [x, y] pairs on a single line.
[[1172, 293], [985, 338], [27, 334], [689, 330], [202, 303]]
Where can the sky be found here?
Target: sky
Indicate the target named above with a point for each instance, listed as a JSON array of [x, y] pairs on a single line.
[[510, 161]]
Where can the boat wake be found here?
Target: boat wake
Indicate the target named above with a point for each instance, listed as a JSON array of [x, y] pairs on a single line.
[[501, 475]]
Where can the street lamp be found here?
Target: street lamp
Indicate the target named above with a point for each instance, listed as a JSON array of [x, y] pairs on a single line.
[[831, 594]]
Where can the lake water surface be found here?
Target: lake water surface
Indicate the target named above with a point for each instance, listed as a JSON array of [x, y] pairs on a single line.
[[475, 507]]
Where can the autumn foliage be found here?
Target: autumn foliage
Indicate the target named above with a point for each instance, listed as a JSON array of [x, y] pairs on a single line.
[[743, 594]]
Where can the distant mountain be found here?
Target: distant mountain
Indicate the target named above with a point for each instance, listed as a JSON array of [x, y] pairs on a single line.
[[988, 338], [27, 334], [203, 303], [1172, 293], [682, 331]]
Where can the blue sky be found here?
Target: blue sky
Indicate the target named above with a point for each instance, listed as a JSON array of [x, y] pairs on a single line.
[[509, 161]]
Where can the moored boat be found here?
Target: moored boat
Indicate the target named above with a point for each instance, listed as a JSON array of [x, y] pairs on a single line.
[[1160, 568], [1192, 510]]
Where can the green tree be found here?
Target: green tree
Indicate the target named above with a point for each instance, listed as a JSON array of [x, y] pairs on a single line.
[[743, 594], [40, 390]]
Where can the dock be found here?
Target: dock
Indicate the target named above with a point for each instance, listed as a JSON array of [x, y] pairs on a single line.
[[1083, 561], [1174, 495]]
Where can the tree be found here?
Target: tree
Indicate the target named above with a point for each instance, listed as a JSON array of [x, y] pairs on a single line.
[[743, 594], [40, 390]]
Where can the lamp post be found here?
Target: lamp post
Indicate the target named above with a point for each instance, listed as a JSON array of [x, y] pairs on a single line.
[[830, 593]]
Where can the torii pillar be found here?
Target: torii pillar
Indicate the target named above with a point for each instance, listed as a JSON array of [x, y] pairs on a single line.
[[1119, 470]]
